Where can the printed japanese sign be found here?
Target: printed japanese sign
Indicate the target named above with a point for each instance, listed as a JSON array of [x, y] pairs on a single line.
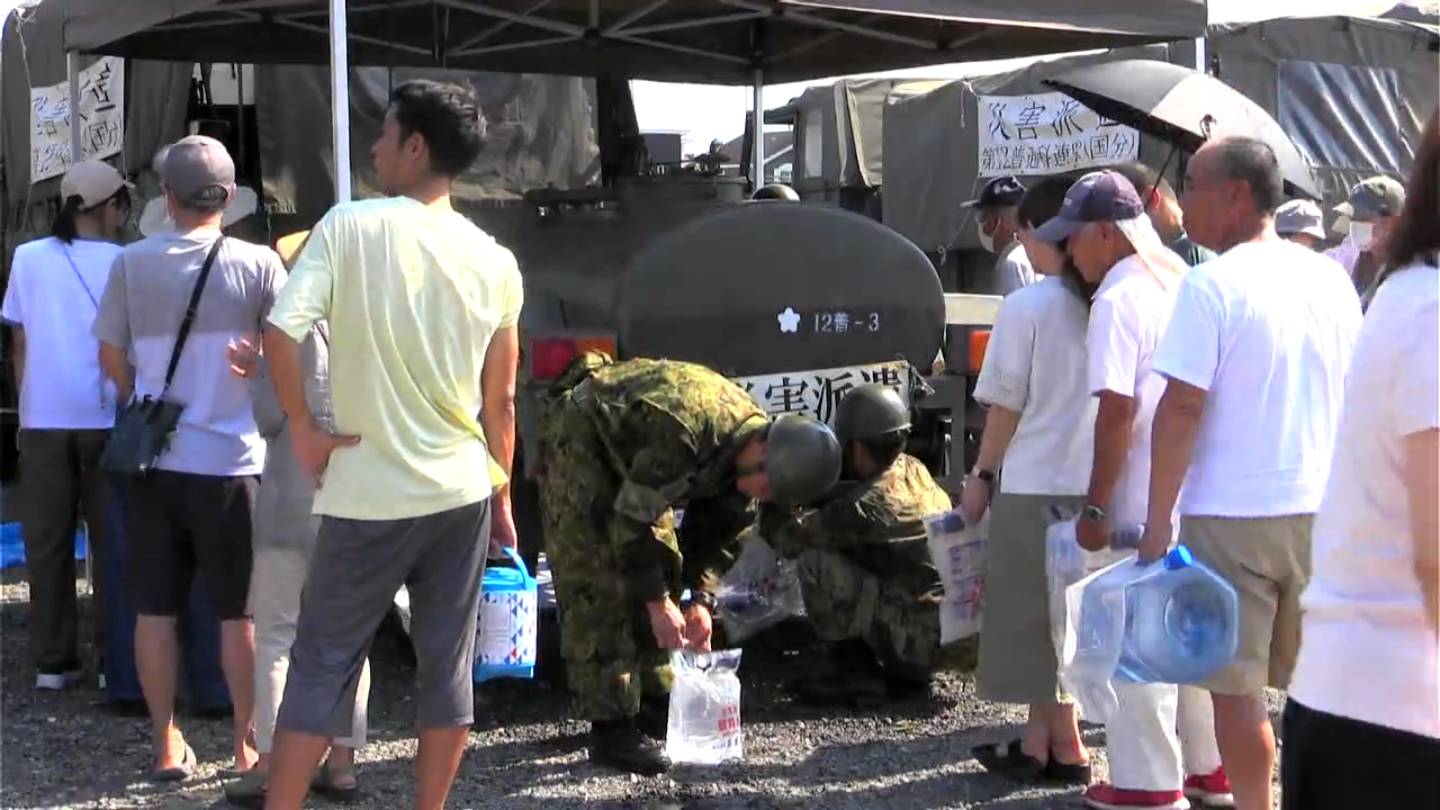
[[816, 393], [1048, 133], [102, 119]]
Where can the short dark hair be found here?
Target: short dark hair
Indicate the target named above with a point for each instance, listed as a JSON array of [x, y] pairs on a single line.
[[1144, 178], [1253, 162], [1043, 200], [447, 116]]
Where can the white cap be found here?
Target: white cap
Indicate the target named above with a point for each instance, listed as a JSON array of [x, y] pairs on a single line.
[[1300, 216], [93, 181]]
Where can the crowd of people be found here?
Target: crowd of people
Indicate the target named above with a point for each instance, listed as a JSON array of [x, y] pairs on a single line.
[[1187, 363]]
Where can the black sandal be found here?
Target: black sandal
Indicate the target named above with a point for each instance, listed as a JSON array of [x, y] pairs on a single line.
[[1011, 761]]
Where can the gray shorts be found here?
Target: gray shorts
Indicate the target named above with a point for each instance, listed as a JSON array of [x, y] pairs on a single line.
[[358, 567]]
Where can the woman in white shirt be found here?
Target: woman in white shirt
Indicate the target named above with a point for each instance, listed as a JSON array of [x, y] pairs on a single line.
[[1363, 722], [1040, 424]]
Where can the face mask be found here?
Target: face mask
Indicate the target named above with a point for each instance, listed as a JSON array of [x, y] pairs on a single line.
[[987, 240], [1362, 234]]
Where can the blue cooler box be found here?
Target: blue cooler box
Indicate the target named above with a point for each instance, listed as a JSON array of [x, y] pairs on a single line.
[[202, 678], [505, 634]]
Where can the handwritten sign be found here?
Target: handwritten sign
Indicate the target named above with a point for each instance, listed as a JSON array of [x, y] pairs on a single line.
[[816, 393], [102, 119], [1048, 133]]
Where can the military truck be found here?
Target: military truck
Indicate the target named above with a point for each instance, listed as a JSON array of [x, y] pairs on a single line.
[[797, 302]]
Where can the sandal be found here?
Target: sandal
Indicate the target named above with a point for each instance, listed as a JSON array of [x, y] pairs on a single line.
[[1011, 761], [179, 773], [337, 783], [249, 790]]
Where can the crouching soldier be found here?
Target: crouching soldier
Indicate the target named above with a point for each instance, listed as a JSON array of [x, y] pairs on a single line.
[[870, 588], [623, 445]]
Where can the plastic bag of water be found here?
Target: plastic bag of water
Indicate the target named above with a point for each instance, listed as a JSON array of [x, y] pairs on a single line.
[[760, 590], [959, 553], [704, 727], [1066, 563], [1172, 622]]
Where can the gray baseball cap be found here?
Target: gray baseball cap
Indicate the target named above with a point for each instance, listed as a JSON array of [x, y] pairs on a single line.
[[1300, 216], [199, 172], [1372, 199]]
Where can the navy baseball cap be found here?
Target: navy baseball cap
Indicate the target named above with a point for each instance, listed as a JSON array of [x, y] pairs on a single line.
[[1097, 197], [1002, 192]]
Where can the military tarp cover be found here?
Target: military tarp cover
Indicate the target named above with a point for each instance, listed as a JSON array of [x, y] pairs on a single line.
[[719, 41], [1352, 93]]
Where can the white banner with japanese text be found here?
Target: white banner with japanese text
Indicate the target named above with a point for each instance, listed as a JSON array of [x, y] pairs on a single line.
[[102, 119], [1048, 133], [816, 393]]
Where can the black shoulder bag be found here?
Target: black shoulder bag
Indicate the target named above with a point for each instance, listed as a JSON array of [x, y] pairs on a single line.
[[144, 427]]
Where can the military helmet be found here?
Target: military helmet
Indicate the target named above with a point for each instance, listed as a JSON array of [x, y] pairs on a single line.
[[802, 459], [776, 191], [870, 411]]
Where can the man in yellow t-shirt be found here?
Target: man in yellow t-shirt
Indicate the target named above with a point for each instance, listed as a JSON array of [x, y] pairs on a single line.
[[422, 309]]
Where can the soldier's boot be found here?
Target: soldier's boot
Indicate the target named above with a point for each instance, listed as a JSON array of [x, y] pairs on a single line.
[[618, 744], [654, 716]]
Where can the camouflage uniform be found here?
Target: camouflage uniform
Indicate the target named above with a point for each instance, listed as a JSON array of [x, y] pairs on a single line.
[[865, 566], [622, 444]]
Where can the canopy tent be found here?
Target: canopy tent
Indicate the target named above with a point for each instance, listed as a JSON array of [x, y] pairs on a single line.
[[715, 41], [721, 41]]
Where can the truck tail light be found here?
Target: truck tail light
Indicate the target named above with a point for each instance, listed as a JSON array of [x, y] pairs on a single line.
[[979, 342], [550, 356]]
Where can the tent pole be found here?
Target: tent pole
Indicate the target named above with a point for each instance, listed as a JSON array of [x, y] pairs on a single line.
[[1200, 66], [757, 132], [72, 64], [340, 100]]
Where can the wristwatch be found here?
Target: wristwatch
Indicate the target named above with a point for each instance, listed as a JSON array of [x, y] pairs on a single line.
[[988, 476], [1092, 513]]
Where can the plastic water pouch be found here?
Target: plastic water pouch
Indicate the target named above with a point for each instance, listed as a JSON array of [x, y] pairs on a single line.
[[1066, 563], [760, 590], [959, 553], [704, 727], [505, 636]]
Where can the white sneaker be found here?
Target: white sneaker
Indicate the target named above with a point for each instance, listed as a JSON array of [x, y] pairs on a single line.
[[57, 681]]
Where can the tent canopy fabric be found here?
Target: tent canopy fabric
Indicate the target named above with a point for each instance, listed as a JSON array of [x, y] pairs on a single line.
[[714, 41], [1352, 94]]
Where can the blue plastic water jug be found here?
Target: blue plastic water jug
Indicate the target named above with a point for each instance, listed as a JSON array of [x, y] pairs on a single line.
[[1173, 622], [1181, 624], [505, 635]]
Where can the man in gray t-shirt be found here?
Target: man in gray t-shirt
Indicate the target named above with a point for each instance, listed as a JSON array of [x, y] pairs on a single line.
[[193, 512]]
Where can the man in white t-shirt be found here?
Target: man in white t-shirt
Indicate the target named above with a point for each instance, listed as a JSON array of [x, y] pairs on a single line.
[[1255, 357], [66, 408], [1114, 245], [998, 230]]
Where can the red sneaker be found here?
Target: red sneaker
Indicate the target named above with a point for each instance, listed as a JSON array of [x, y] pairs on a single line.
[[1210, 790], [1105, 796]]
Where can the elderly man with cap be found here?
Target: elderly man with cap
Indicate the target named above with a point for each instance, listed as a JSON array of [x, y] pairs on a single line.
[[66, 409], [192, 512], [623, 445], [1114, 246], [871, 591], [1371, 212], [1301, 222], [998, 230]]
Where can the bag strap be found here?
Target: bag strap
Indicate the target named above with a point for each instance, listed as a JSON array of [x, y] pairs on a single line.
[[80, 278], [189, 319]]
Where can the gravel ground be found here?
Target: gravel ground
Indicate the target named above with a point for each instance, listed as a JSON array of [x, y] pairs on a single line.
[[67, 750]]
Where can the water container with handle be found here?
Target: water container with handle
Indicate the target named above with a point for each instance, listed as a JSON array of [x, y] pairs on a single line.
[[1173, 622], [505, 635]]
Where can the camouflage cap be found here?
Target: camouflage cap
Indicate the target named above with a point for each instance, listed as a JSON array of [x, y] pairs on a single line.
[[1372, 199]]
